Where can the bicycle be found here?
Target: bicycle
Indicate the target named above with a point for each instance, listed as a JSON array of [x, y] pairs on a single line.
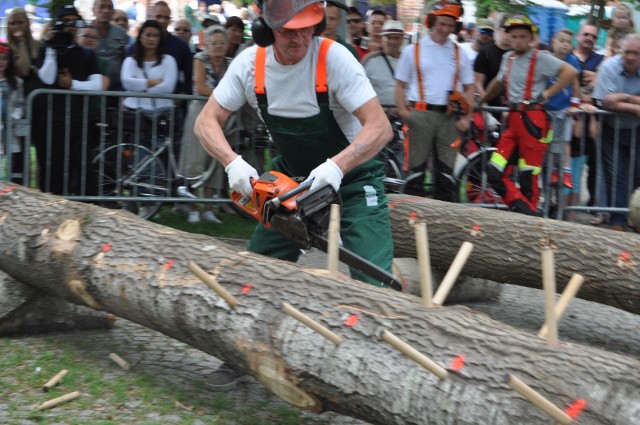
[[138, 175]]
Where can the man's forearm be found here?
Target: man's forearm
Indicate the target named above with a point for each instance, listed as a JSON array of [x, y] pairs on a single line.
[[495, 87], [209, 130], [374, 134]]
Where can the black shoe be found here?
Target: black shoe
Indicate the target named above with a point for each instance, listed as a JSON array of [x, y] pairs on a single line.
[[522, 207]]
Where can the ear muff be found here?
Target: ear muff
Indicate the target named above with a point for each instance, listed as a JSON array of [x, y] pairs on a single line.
[[261, 33]]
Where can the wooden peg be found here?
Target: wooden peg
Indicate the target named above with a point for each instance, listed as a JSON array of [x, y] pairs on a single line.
[[59, 400], [54, 381], [549, 285], [567, 295], [424, 263], [211, 283], [119, 361], [413, 354], [334, 240], [453, 273], [538, 400], [306, 320]]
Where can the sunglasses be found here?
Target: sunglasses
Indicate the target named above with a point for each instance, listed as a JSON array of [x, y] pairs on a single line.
[[485, 31], [354, 21]]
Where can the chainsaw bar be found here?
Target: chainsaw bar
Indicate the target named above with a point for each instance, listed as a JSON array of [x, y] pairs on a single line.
[[357, 262]]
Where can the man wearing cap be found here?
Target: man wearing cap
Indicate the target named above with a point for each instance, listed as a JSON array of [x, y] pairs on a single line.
[[433, 95], [325, 120], [482, 36], [62, 64], [334, 19], [524, 74], [380, 66]]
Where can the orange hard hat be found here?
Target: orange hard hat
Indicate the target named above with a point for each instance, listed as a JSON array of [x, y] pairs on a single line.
[[307, 17], [448, 8], [292, 14]]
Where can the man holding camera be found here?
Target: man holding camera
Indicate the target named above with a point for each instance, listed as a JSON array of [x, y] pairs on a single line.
[[62, 64]]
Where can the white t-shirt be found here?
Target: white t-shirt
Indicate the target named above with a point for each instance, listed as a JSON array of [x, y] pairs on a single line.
[[291, 90], [134, 79], [381, 76], [438, 67], [468, 49]]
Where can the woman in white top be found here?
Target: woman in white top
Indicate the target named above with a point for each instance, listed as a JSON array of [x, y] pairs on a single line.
[[149, 70]]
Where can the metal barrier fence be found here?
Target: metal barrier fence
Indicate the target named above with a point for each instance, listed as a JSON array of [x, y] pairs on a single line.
[[75, 136]]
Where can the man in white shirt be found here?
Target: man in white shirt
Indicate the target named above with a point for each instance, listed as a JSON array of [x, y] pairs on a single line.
[[380, 66], [434, 97]]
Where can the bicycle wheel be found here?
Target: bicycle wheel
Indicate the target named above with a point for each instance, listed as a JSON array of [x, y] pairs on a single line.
[[128, 170], [473, 184]]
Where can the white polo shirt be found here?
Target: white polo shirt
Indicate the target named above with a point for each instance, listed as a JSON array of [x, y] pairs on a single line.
[[438, 67]]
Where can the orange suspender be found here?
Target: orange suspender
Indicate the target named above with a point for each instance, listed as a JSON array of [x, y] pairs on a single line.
[[530, 75], [422, 105], [321, 68]]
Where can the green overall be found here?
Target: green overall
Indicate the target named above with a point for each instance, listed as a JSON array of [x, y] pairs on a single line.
[[305, 143]]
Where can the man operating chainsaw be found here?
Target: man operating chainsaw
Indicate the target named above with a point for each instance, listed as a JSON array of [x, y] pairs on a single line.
[[324, 118]]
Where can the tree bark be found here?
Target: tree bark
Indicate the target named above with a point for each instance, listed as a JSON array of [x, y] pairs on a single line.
[[112, 260], [25, 309], [507, 248]]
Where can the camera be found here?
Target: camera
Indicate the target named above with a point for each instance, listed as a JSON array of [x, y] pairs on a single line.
[[63, 39]]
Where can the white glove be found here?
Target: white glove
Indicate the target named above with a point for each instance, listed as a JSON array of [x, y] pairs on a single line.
[[240, 174], [324, 174]]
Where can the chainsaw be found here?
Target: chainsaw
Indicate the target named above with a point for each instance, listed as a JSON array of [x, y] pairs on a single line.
[[287, 205]]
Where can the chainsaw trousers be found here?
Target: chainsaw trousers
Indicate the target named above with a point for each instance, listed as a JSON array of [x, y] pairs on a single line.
[[524, 144]]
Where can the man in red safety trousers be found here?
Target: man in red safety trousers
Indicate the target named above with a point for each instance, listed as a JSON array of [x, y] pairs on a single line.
[[524, 72]]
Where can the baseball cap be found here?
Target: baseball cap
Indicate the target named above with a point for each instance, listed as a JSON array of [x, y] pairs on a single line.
[[484, 24], [392, 27]]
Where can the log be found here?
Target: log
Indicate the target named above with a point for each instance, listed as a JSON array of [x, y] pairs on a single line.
[[25, 309], [507, 248], [56, 245]]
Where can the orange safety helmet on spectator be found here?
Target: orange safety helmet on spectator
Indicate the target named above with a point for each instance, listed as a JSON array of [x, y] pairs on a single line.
[[452, 8]]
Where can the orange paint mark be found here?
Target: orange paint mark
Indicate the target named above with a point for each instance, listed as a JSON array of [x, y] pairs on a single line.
[[106, 247], [625, 256], [403, 201], [167, 265], [351, 320], [7, 190], [413, 215], [476, 227], [576, 408], [457, 363], [246, 288]]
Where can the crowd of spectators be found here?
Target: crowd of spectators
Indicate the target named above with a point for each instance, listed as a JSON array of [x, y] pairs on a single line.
[[190, 55]]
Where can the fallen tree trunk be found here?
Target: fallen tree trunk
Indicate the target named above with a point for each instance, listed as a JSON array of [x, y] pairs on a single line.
[[507, 248], [113, 261], [25, 309]]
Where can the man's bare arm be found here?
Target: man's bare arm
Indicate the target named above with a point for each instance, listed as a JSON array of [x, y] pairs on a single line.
[[208, 128], [375, 133]]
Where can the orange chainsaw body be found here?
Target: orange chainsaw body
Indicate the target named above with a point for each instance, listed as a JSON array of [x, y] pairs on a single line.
[[270, 185]]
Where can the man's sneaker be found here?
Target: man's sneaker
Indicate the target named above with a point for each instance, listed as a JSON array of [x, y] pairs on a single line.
[[211, 217], [567, 181], [522, 207], [194, 217], [181, 209], [225, 378]]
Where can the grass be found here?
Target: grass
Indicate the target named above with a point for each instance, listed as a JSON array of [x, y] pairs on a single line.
[[110, 396], [233, 226]]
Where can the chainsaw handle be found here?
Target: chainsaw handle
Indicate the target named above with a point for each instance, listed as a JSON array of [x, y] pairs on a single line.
[[293, 192]]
